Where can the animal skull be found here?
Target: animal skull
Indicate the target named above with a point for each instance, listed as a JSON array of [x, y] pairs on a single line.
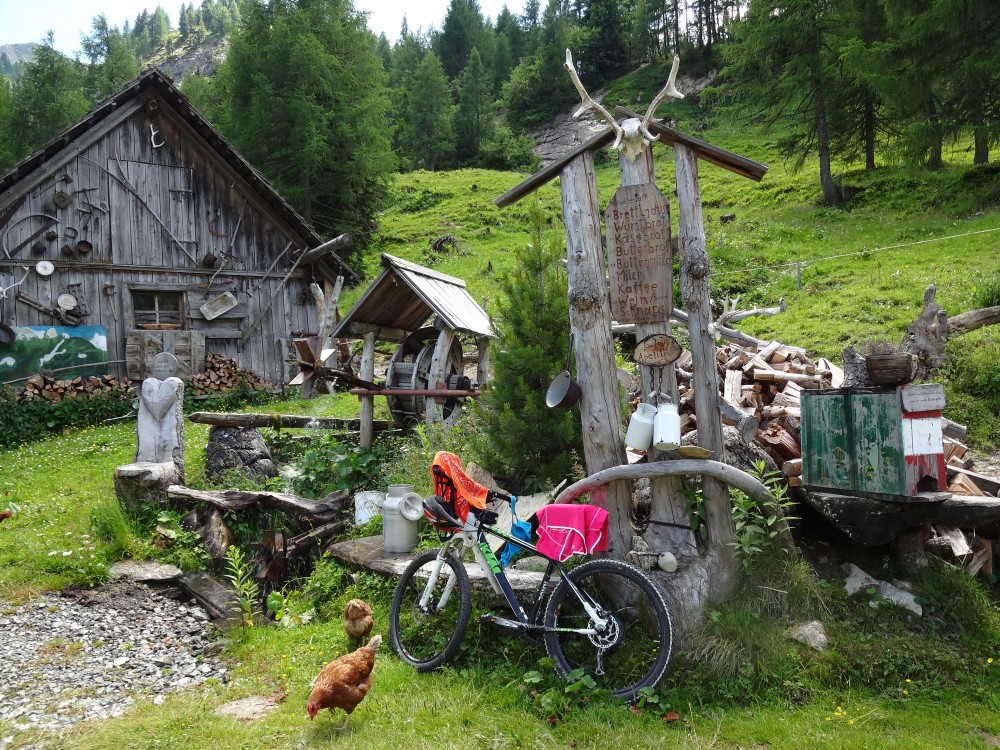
[[632, 135]]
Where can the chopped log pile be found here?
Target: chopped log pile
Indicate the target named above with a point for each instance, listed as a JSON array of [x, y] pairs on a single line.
[[222, 374], [761, 391], [761, 395], [47, 387]]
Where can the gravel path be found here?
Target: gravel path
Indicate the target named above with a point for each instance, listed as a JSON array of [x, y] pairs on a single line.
[[90, 654]]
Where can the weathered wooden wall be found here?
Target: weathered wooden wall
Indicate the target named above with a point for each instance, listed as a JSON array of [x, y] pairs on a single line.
[[156, 199]]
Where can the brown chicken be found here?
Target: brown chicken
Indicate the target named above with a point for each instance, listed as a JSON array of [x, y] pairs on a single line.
[[344, 682], [357, 621]]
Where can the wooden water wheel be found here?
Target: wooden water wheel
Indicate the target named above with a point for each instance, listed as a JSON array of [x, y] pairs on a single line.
[[409, 368]]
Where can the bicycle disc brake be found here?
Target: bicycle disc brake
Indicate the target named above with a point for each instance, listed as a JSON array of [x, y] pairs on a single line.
[[605, 639]]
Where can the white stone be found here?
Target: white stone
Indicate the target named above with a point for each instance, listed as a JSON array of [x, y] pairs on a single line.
[[812, 634]]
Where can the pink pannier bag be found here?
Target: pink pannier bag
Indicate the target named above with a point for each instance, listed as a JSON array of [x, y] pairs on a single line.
[[565, 530]]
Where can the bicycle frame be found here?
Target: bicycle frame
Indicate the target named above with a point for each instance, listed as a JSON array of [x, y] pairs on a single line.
[[472, 536]]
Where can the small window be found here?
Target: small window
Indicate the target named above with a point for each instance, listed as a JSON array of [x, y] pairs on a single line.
[[152, 310]]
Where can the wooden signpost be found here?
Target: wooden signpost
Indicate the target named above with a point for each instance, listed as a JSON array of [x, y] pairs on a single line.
[[637, 227]]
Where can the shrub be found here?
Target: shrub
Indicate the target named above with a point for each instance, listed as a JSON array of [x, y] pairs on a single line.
[[28, 420]]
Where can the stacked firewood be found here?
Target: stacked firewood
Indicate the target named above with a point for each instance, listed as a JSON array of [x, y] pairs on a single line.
[[761, 394], [47, 387], [222, 374]]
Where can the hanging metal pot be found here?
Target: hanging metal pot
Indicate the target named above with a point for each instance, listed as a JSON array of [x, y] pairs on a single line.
[[563, 390]]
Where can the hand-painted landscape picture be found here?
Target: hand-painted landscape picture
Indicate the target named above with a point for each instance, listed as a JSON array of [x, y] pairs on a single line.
[[64, 350]]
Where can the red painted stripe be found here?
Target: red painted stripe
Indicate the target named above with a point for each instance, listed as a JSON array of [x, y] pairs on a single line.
[[920, 414]]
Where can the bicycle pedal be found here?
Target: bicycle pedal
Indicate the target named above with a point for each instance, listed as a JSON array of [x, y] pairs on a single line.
[[487, 619]]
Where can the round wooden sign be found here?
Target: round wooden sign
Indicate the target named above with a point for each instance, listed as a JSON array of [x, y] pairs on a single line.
[[657, 350], [163, 366]]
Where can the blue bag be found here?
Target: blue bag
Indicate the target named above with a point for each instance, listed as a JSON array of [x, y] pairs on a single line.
[[519, 529]]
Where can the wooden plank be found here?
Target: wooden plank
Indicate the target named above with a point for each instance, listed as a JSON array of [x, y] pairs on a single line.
[[875, 522], [792, 468], [194, 312], [732, 391], [761, 358], [704, 150], [964, 485], [990, 484], [218, 599], [953, 430], [369, 553]]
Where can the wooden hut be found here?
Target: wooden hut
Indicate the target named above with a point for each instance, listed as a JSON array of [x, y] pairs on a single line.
[[142, 230], [425, 379]]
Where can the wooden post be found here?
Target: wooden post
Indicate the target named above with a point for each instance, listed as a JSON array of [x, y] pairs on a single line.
[[436, 375], [667, 502], [483, 360], [695, 272], [589, 313], [367, 402]]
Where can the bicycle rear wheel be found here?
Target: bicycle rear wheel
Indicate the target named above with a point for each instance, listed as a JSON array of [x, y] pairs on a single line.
[[427, 637], [633, 650]]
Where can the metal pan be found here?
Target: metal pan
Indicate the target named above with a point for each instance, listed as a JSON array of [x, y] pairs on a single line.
[[563, 391]]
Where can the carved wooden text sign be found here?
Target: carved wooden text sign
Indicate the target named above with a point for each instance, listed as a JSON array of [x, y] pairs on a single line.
[[637, 225], [656, 350]]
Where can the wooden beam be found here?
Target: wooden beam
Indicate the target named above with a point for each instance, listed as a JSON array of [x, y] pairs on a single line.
[[723, 473], [704, 150], [589, 313], [553, 170], [278, 421]]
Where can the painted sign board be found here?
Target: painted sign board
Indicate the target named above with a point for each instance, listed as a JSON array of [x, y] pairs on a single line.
[[67, 351], [637, 228]]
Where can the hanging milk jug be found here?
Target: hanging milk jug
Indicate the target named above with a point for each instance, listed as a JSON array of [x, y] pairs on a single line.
[[666, 428], [640, 427]]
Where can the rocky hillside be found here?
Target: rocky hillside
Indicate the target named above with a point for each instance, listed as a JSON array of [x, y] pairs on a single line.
[[193, 59], [18, 52]]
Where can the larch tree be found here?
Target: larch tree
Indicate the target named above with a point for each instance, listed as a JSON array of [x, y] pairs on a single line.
[[474, 118], [780, 63], [430, 117]]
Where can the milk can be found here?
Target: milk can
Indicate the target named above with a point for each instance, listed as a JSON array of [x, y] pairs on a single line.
[[401, 514]]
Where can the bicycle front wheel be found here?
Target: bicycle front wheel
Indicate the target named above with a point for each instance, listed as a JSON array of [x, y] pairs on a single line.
[[426, 636], [632, 650]]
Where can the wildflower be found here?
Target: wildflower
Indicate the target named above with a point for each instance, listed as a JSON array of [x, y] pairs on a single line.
[[906, 692], [990, 660], [907, 680], [850, 721]]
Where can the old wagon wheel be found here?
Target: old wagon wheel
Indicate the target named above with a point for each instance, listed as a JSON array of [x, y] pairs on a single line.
[[409, 368]]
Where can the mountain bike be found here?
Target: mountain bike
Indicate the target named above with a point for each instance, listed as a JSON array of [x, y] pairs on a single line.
[[603, 616]]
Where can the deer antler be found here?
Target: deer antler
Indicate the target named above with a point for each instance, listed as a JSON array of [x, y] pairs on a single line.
[[669, 91], [588, 102]]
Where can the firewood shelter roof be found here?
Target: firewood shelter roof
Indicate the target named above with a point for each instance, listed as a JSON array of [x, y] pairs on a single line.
[[405, 295]]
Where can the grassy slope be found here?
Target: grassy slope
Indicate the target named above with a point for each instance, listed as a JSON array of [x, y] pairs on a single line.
[[59, 483]]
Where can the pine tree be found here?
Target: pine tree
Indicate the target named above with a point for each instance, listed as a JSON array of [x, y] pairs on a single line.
[[461, 31], [303, 99], [515, 432], [48, 96]]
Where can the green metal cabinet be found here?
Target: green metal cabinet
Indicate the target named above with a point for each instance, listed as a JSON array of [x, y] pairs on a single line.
[[860, 441]]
